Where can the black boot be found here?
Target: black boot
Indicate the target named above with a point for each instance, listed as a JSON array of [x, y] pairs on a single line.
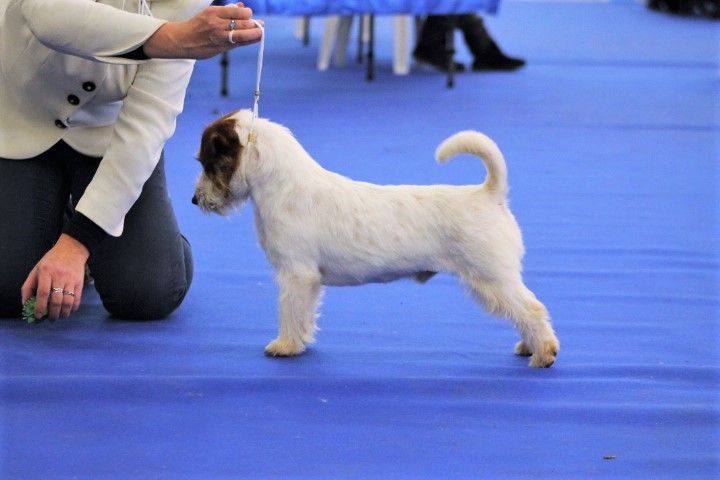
[[492, 58], [486, 52]]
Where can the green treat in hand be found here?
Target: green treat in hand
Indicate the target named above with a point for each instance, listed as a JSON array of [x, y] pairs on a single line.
[[28, 311]]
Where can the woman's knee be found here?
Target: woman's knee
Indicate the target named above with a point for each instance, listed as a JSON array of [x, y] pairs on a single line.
[[143, 300], [149, 295]]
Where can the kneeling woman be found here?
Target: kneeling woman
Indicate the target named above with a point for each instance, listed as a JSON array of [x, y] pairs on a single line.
[[90, 95]]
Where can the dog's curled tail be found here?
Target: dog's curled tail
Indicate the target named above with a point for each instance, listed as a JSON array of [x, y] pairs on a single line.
[[476, 143]]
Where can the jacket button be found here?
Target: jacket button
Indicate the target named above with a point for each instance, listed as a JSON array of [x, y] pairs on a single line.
[[73, 99], [88, 86], [60, 124]]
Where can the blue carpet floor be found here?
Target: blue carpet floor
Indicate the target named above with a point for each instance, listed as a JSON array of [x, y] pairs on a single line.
[[611, 134]]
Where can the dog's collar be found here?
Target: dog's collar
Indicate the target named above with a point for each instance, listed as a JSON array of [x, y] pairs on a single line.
[[252, 136]]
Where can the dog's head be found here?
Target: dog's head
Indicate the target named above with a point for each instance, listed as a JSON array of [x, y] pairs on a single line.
[[223, 183]]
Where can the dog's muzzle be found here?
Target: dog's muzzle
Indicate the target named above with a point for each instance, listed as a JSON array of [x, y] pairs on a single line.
[[194, 200]]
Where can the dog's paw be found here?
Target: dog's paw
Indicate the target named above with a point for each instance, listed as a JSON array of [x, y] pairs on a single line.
[[544, 356], [522, 349], [284, 347]]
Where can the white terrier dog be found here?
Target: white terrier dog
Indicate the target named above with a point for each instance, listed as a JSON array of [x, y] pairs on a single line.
[[319, 228]]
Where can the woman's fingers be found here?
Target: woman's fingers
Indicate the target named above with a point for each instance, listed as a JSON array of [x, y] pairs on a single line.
[[210, 32], [53, 301], [234, 12], [245, 37], [242, 29], [43, 293], [57, 279], [77, 297], [240, 25], [29, 287], [55, 304], [68, 301]]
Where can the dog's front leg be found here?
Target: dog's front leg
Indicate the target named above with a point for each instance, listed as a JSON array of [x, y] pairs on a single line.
[[299, 296]]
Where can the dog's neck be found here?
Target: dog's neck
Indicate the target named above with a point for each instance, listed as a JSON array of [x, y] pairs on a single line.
[[279, 170]]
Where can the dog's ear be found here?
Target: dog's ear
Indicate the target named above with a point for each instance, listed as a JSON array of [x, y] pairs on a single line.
[[220, 143], [220, 140], [220, 150]]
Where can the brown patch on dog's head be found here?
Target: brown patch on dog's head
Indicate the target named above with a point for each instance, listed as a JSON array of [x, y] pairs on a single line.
[[220, 151]]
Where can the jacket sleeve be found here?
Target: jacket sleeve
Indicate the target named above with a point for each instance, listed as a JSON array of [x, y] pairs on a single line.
[[98, 31], [145, 123]]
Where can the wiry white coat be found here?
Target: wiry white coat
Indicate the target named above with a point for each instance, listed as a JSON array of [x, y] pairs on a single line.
[[320, 228]]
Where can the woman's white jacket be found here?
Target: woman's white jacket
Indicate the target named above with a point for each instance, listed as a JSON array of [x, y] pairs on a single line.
[[61, 78]]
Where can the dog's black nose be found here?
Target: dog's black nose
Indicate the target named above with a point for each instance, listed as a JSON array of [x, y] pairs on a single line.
[[194, 200]]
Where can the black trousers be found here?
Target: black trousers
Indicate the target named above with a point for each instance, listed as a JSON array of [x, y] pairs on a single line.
[[435, 30], [143, 274]]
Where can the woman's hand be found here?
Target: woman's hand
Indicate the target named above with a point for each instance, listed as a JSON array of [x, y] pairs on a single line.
[[204, 35], [57, 279]]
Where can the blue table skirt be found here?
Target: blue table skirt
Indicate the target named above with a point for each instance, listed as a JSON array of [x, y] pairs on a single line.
[[352, 7]]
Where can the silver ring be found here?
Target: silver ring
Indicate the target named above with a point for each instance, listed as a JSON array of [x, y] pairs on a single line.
[[65, 292], [230, 39], [57, 290], [232, 24]]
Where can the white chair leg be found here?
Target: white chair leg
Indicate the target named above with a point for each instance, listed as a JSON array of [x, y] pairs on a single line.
[[363, 36], [335, 36], [341, 42], [302, 30], [401, 57], [328, 41], [365, 28], [300, 25]]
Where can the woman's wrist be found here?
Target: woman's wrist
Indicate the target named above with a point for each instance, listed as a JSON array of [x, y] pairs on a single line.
[[74, 246], [84, 231], [161, 43]]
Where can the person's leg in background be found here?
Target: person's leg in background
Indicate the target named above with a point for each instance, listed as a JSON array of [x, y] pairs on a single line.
[[33, 198], [431, 46], [145, 273], [485, 50]]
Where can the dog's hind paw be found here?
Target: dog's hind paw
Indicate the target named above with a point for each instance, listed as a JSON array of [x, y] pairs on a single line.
[[281, 347]]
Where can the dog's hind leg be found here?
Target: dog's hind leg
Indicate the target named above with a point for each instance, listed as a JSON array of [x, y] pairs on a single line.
[[513, 300], [299, 296]]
